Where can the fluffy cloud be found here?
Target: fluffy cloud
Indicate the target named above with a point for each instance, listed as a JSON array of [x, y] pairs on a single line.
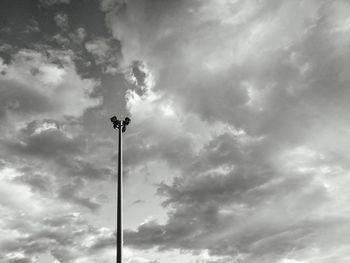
[[47, 85], [61, 20], [106, 52]]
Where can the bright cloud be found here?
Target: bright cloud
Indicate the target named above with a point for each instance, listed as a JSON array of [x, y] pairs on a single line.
[[33, 84]]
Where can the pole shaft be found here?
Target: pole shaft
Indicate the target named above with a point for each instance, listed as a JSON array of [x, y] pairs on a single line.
[[120, 200]]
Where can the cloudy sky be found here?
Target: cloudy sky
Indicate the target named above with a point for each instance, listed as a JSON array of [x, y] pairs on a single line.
[[238, 148]]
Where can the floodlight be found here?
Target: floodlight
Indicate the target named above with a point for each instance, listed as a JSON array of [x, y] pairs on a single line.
[[123, 129], [127, 120], [114, 119]]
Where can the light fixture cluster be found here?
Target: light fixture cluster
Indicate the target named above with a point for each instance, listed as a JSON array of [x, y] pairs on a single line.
[[119, 124]]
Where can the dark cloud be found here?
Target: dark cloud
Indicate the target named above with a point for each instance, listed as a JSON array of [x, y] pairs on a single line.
[[34, 27], [45, 139], [224, 198], [78, 167], [13, 99], [72, 194], [37, 182], [174, 150]]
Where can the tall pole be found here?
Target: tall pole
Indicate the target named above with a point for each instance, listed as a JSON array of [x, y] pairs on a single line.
[[121, 126], [120, 198]]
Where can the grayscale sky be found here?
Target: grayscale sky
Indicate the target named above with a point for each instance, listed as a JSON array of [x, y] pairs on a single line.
[[238, 148]]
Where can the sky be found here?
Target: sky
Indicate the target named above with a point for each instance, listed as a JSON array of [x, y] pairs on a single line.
[[238, 146]]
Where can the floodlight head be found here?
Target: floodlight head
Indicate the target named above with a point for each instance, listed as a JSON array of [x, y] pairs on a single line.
[[124, 129], [114, 119], [127, 121]]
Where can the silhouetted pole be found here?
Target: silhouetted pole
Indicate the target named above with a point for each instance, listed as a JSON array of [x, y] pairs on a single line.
[[120, 200], [121, 126]]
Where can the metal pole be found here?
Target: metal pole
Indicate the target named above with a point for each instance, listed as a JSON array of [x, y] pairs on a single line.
[[120, 199], [121, 126]]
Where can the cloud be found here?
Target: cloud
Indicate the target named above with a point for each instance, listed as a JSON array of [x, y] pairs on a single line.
[[53, 2], [34, 231], [251, 110], [104, 238], [54, 163], [46, 139], [194, 49], [61, 20], [107, 5], [72, 194], [49, 83], [50, 158], [238, 141], [37, 182], [106, 52], [136, 202], [32, 27]]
